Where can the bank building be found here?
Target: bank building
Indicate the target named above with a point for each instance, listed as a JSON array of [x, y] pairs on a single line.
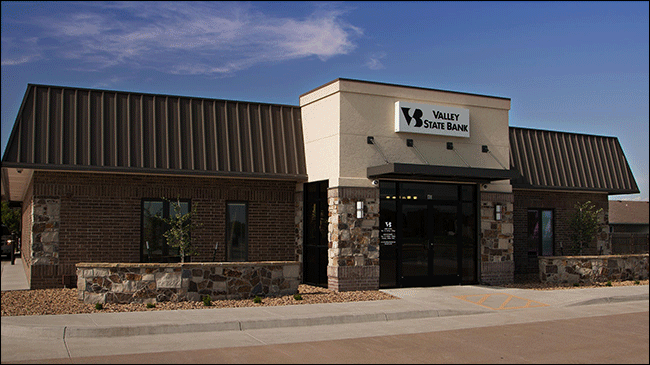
[[362, 185]]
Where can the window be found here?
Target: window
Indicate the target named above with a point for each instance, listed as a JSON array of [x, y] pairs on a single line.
[[237, 231], [153, 247], [540, 231]]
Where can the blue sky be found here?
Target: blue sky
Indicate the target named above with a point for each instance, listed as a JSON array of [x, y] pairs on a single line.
[[570, 66]]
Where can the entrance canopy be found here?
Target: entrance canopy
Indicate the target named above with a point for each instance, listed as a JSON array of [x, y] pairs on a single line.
[[438, 173]]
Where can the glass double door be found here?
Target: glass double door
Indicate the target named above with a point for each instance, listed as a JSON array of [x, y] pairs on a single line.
[[430, 244]]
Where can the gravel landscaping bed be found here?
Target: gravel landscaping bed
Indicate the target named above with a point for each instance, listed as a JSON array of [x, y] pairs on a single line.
[[64, 301]]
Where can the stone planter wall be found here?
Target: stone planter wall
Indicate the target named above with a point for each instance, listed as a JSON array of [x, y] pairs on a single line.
[[591, 269], [160, 282]]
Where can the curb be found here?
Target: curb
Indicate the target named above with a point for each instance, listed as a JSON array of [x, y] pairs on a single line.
[[616, 299], [63, 332]]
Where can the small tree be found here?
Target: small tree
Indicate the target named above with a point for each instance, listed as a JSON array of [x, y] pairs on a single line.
[[180, 229], [583, 225], [11, 217]]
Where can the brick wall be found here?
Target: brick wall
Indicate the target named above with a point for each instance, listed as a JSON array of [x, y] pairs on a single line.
[[562, 203], [100, 215]]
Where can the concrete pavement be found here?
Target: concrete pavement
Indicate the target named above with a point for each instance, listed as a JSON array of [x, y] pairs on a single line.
[[418, 310], [13, 278]]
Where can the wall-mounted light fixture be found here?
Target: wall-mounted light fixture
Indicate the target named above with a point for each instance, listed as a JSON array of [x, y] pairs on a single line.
[[497, 211], [359, 209], [450, 145]]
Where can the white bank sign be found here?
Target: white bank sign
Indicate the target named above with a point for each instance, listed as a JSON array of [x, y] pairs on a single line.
[[431, 119]]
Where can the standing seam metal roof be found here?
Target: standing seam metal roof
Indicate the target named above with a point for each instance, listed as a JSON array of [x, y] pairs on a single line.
[[89, 129], [560, 160]]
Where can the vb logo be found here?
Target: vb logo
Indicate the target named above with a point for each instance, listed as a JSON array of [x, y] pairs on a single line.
[[417, 115]]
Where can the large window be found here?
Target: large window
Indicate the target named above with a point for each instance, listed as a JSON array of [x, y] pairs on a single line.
[[237, 231], [153, 247], [540, 231]]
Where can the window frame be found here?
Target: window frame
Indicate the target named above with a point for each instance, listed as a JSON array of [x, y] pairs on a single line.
[[228, 231], [166, 212], [540, 239]]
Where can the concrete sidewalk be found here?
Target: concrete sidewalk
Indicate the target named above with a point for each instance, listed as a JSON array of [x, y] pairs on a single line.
[[13, 276], [64, 338], [415, 303]]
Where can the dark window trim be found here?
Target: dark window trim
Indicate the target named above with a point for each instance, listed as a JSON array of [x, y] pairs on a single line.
[[540, 249], [166, 210], [226, 220]]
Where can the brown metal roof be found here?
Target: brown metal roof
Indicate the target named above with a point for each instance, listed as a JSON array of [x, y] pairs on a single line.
[[560, 160], [628, 212], [88, 129]]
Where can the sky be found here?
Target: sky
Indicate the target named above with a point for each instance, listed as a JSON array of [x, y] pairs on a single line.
[[577, 67]]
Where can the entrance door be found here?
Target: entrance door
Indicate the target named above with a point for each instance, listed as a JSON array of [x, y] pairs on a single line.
[[315, 234], [429, 248], [445, 244], [414, 249], [428, 234]]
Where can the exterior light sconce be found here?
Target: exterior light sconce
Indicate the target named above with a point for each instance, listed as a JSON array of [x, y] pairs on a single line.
[[359, 209], [450, 145], [498, 211]]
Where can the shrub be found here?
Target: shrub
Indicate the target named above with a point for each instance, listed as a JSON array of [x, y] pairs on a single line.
[[207, 301], [99, 306], [576, 284], [609, 283], [583, 225], [297, 296], [636, 282], [151, 305], [257, 299]]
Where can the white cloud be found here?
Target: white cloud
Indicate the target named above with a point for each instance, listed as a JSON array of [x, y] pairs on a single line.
[[374, 62], [192, 38], [17, 61]]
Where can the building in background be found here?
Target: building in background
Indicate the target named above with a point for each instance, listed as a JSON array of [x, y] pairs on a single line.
[[629, 226], [628, 216]]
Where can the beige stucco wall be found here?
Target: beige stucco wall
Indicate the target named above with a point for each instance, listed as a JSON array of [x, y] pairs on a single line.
[[321, 135], [340, 151]]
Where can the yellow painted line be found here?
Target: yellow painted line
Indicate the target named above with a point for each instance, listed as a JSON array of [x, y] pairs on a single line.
[[500, 301]]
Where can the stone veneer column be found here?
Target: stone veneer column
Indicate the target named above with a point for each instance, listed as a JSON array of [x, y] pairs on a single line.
[[45, 230], [497, 244], [353, 255], [299, 196], [603, 238]]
